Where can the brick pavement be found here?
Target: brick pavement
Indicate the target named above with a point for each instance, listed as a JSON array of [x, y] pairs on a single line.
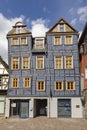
[[42, 123]]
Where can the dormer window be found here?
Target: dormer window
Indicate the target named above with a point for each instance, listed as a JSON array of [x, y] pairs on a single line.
[[39, 43]]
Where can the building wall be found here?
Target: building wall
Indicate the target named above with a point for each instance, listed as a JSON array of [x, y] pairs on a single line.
[[76, 107], [83, 65], [64, 74]]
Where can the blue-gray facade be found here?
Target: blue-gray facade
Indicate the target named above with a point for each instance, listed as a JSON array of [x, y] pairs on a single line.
[[49, 75]]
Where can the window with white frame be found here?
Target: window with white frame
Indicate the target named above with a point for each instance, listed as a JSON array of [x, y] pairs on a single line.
[[70, 85], [26, 63], [68, 40], [68, 62], [15, 41], [57, 40], [40, 85], [15, 83], [58, 85], [27, 82], [86, 72], [23, 40], [15, 63], [58, 62], [39, 62], [39, 43]]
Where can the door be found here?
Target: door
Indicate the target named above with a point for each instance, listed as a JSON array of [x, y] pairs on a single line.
[[64, 107], [24, 108], [41, 105], [14, 111]]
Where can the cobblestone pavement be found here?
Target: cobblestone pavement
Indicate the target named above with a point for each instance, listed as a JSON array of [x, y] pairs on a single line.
[[43, 123]]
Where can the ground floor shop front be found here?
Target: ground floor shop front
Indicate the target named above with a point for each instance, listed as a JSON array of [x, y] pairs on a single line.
[[30, 107]]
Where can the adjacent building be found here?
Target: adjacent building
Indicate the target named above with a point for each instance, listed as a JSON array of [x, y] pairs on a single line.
[[83, 66], [4, 75], [44, 73]]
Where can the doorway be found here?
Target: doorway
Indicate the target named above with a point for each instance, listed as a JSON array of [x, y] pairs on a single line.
[[41, 107], [14, 108]]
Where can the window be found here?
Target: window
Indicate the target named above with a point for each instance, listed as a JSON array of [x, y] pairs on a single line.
[[15, 63], [27, 82], [26, 63], [70, 85], [58, 62], [23, 40], [18, 30], [62, 27], [86, 73], [58, 85], [39, 43], [68, 62], [15, 41], [40, 86], [15, 82], [68, 40], [57, 40], [40, 62]]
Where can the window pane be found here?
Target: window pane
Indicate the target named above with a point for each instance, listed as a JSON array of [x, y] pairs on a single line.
[[61, 27], [57, 41], [70, 85], [15, 63], [15, 41], [40, 62], [68, 40], [15, 82], [40, 86], [27, 83], [39, 43], [23, 41], [26, 63], [69, 62], [58, 62], [58, 85]]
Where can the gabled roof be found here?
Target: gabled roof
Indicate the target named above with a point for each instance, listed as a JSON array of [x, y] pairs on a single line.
[[62, 21], [84, 32], [4, 63], [18, 25]]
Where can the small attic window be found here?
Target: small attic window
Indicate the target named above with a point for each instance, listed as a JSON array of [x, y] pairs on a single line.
[[61, 27], [18, 30]]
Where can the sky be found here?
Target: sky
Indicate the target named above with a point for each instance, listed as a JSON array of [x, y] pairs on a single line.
[[39, 16]]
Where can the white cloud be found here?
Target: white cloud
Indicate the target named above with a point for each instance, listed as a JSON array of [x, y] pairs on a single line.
[[82, 12], [39, 27], [71, 11], [73, 22], [6, 25]]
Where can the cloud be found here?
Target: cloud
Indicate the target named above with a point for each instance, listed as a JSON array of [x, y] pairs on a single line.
[[45, 10], [39, 27], [82, 12], [6, 25], [73, 22], [71, 11]]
